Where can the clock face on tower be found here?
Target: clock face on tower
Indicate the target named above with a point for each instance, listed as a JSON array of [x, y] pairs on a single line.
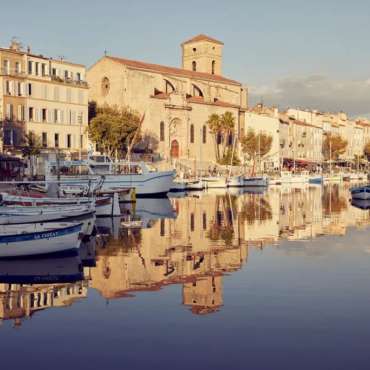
[[105, 86]]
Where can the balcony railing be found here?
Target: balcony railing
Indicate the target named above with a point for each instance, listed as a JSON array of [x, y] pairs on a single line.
[[69, 81], [12, 72]]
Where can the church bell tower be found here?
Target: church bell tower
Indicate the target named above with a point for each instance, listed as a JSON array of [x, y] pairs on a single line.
[[202, 54]]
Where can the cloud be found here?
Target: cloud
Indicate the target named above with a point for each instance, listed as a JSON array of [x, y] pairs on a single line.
[[316, 92]]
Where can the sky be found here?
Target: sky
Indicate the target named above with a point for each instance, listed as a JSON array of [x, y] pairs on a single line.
[[310, 54]]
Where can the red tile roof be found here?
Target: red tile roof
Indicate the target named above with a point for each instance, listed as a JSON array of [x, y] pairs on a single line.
[[172, 70], [202, 37], [218, 103]]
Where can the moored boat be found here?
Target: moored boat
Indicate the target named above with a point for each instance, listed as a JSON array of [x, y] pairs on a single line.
[[235, 181], [362, 192], [316, 179], [145, 179], [255, 181], [15, 214], [38, 239], [214, 182]]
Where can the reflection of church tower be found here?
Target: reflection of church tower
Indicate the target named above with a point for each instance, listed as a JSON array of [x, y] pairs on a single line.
[[204, 295], [202, 54]]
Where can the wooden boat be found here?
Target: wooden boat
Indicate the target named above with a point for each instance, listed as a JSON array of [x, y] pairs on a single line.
[[362, 192], [187, 185], [15, 214], [215, 182], [235, 181], [38, 239], [288, 177], [256, 181], [104, 206], [316, 179], [145, 179]]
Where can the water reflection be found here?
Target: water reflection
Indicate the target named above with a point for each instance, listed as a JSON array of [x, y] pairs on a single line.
[[191, 241]]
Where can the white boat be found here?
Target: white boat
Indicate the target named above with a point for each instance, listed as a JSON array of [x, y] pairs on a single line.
[[333, 178], [104, 206], [38, 239], [235, 181], [288, 177], [14, 214], [362, 192], [214, 182], [144, 178], [187, 185], [254, 181]]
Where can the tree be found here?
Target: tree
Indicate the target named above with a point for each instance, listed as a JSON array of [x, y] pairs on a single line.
[[227, 121], [333, 146], [221, 125], [113, 129], [214, 124], [31, 147], [256, 146]]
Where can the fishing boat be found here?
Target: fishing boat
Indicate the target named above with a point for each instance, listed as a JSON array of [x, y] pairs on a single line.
[[316, 179], [15, 214], [362, 192], [38, 239], [361, 203], [214, 182], [288, 177], [144, 178], [255, 181], [235, 181], [181, 185], [104, 206]]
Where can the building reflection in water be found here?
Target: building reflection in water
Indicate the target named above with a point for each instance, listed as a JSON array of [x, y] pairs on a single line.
[[192, 241]]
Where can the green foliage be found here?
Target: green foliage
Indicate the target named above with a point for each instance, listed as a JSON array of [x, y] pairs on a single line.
[[333, 146], [226, 159], [221, 125], [113, 129], [256, 145], [31, 145]]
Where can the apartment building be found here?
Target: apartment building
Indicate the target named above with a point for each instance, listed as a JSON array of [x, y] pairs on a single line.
[[43, 96]]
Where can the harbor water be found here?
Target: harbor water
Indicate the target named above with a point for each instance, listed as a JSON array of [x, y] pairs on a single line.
[[245, 279]]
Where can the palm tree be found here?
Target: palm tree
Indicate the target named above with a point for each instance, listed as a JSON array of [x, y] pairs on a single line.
[[227, 126], [214, 124]]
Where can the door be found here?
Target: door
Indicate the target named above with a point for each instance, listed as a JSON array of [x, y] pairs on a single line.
[[175, 149]]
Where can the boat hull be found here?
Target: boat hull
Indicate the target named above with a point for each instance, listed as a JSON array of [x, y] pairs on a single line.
[[42, 241], [158, 183], [256, 181]]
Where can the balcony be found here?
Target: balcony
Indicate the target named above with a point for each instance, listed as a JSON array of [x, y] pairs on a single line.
[[12, 73], [69, 81]]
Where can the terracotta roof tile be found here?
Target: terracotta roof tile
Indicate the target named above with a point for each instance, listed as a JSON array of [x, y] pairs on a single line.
[[202, 37], [172, 70], [218, 103]]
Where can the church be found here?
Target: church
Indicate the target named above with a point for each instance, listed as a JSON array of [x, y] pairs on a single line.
[[177, 102]]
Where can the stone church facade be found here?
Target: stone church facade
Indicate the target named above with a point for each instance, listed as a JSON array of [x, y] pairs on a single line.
[[177, 102]]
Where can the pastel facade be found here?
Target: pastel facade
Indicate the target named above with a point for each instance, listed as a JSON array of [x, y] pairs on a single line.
[[177, 102], [263, 122], [44, 96]]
